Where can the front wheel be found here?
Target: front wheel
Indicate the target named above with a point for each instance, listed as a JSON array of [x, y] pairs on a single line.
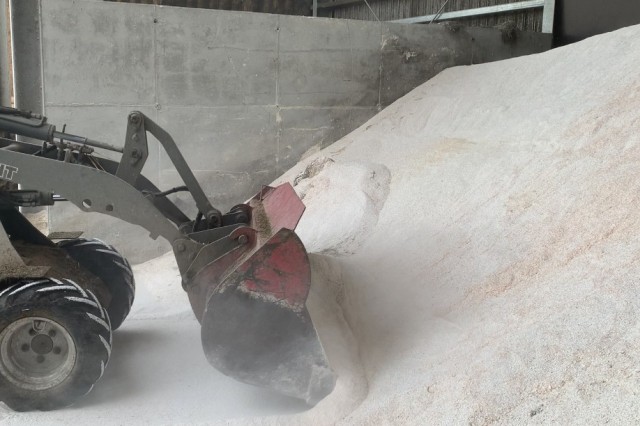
[[106, 263], [55, 342]]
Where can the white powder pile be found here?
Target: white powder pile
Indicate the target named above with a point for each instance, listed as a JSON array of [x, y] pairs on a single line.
[[476, 262], [500, 280]]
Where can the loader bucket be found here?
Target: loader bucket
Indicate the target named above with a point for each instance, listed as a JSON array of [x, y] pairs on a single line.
[[255, 325]]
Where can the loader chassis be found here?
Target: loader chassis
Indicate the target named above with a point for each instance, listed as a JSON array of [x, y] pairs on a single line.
[[32, 255], [246, 272]]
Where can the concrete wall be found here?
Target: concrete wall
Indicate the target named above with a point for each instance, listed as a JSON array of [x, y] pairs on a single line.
[[245, 95]]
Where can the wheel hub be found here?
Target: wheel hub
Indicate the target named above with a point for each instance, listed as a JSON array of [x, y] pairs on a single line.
[[36, 353], [41, 344]]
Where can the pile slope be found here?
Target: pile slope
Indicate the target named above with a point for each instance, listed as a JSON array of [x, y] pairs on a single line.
[[488, 240]]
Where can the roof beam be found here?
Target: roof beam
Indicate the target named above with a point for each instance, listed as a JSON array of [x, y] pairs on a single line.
[[480, 11]]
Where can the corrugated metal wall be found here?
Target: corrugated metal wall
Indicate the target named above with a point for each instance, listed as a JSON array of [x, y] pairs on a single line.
[[385, 10], [285, 7]]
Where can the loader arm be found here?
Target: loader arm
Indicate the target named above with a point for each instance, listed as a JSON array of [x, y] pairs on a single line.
[[90, 189], [246, 272], [116, 189]]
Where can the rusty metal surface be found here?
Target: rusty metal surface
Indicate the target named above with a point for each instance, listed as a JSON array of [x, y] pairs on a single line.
[[244, 249], [278, 272], [281, 206]]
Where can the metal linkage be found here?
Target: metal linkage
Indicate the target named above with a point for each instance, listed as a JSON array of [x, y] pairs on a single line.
[[35, 126], [27, 198]]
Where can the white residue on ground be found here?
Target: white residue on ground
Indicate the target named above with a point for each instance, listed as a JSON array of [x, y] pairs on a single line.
[[159, 293]]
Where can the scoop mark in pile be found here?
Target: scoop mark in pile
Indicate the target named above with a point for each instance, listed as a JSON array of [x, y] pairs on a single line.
[[354, 191]]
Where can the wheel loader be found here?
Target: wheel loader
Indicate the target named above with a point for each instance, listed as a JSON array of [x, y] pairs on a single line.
[[246, 273]]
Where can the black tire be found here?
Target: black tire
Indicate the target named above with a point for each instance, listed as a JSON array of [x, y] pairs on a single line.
[[55, 342], [104, 261]]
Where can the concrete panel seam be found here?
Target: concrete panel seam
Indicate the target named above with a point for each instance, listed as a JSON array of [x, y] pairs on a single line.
[[156, 114], [96, 104], [308, 129], [380, 70], [242, 49], [278, 61], [277, 117], [320, 49], [6, 79], [40, 41], [218, 171], [337, 107], [209, 107], [155, 57], [317, 92], [237, 106], [226, 172], [351, 69]]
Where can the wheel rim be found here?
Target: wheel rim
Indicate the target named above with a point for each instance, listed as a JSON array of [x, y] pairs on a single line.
[[36, 353]]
